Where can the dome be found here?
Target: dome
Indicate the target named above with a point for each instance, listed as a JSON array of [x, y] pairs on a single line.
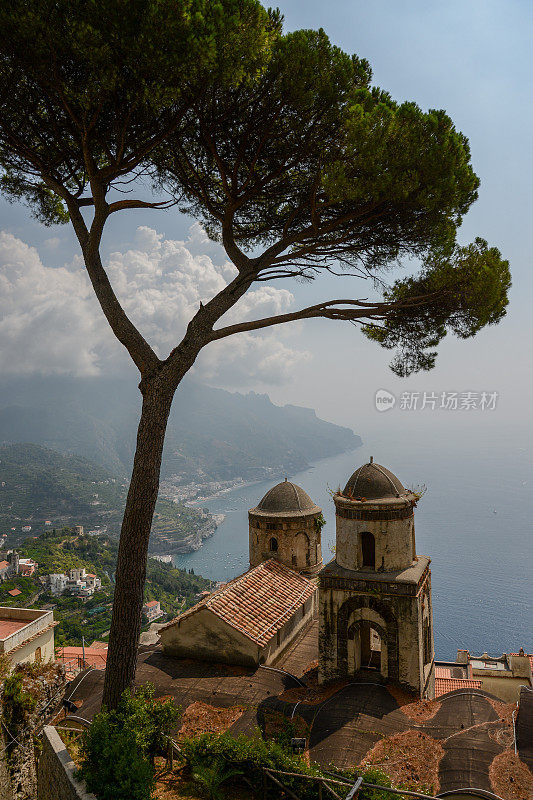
[[286, 498], [373, 482]]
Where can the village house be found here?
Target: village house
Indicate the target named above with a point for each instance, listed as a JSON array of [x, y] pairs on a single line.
[[27, 567], [12, 565], [27, 634], [502, 676], [78, 581], [56, 583], [152, 610]]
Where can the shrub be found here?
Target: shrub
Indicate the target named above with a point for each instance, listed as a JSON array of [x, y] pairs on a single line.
[[241, 754], [117, 751], [17, 702], [211, 776], [210, 758]]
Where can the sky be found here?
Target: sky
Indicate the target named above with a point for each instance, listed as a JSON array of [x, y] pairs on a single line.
[[470, 58]]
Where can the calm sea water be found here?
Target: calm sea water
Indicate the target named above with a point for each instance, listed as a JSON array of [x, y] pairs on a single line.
[[475, 522]]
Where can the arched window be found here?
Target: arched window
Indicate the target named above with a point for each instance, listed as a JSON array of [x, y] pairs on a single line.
[[368, 547], [273, 545]]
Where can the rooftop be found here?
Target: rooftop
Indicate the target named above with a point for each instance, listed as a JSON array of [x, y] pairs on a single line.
[[343, 730], [445, 685], [288, 499], [21, 625], [151, 604], [528, 655], [259, 602], [9, 626], [373, 482]]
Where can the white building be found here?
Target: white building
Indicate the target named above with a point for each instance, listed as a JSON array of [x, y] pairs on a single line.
[[152, 610], [92, 581], [57, 583], [77, 574], [27, 634], [76, 586]]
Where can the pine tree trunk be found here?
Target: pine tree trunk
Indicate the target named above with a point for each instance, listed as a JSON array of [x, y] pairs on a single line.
[[133, 547]]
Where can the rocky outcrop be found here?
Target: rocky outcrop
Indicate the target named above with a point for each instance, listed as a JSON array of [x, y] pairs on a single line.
[[184, 544]]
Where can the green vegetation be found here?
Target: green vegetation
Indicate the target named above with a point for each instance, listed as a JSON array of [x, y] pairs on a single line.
[[28, 587], [117, 756], [17, 703], [38, 484], [212, 757], [60, 550], [118, 750]]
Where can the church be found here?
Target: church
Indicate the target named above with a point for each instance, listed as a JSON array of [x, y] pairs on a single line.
[[373, 600]]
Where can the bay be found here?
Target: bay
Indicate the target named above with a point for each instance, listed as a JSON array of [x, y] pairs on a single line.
[[474, 521]]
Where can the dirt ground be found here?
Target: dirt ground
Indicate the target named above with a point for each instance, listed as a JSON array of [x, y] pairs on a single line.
[[510, 777], [503, 710], [416, 710], [312, 694], [202, 718], [411, 758]]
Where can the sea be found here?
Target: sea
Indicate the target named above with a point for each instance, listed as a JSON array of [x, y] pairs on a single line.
[[475, 521]]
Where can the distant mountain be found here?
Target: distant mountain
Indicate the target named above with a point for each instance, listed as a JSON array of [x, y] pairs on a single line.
[[212, 434], [38, 484]]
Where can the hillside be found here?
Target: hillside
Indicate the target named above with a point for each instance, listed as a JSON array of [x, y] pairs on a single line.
[[39, 484], [59, 550], [212, 434]]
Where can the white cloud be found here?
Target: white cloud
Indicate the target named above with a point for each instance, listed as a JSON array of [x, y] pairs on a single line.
[[47, 316], [50, 320]]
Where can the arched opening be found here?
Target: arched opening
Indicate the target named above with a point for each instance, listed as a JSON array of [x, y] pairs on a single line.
[[368, 548], [366, 647], [370, 649], [273, 545], [353, 617], [38, 655]]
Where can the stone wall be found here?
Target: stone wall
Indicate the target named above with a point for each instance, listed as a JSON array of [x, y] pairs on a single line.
[[298, 541], [19, 761], [56, 771], [391, 604]]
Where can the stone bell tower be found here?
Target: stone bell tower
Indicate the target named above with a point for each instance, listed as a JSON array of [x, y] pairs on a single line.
[[286, 525], [376, 617]]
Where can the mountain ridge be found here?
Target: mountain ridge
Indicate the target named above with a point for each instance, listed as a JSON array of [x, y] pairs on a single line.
[[212, 434]]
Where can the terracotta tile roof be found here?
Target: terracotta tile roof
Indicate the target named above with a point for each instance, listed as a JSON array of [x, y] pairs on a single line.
[[151, 604], [259, 602], [94, 656], [444, 685], [14, 592], [4, 564]]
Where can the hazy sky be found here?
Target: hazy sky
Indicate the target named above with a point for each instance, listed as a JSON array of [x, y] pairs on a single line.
[[471, 58]]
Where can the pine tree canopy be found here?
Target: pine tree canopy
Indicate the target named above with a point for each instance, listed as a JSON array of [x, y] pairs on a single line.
[[309, 169], [88, 88]]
